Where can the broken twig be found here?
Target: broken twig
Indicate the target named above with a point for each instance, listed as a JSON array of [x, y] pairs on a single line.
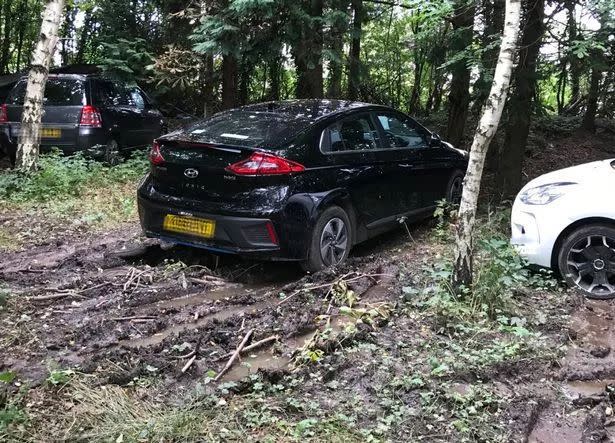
[[331, 285], [255, 345], [134, 317], [235, 355], [187, 365]]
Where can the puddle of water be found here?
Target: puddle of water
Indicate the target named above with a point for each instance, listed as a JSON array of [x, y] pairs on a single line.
[[594, 326], [227, 292], [222, 315], [264, 359], [555, 428], [576, 389]]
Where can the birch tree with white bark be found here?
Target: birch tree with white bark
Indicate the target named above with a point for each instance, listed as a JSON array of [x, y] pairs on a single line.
[[487, 126], [29, 136]]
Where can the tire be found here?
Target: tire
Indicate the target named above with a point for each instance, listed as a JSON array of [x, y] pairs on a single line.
[[112, 153], [332, 222], [455, 187], [586, 260]]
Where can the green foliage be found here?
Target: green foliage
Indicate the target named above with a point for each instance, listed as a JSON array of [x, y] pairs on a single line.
[[7, 377], [60, 177], [126, 59], [11, 409], [4, 297], [444, 213], [499, 272], [60, 377]]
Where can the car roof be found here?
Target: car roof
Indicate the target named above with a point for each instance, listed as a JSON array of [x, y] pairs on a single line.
[[308, 109], [73, 76]]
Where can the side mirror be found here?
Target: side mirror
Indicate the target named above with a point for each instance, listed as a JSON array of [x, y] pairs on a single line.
[[435, 140]]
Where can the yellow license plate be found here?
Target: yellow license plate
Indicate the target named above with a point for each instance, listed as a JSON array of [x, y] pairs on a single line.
[[189, 225], [51, 133]]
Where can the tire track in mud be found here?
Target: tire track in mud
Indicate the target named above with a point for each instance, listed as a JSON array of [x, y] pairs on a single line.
[[581, 409], [92, 327]]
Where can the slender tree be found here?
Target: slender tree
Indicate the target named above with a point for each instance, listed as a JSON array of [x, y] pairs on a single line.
[[459, 95], [589, 118], [521, 102], [492, 111], [308, 51], [354, 57], [27, 149]]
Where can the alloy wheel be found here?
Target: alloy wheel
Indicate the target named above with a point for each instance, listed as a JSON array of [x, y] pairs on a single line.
[[333, 242], [591, 264]]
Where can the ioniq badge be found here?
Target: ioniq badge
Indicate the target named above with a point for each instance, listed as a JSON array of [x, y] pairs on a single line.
[[191, 173]]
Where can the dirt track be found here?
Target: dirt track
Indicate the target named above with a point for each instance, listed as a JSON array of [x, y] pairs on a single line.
[[120, 307], [124, 299]]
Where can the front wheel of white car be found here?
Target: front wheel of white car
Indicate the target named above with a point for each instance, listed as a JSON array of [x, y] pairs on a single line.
[[586, 260]]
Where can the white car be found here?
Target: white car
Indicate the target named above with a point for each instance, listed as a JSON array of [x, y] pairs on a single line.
[[565, 220]]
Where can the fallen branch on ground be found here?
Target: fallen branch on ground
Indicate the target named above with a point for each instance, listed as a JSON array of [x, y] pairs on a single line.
[[134, 317], [207, 280], [55, 296], [331, 285], [235, 355], [253, 346], [187, 365]]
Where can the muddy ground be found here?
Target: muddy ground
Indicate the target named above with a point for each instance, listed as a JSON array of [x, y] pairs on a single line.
[[350, 354]]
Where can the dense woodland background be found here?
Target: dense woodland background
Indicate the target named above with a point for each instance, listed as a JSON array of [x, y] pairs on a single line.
[[432, 59]]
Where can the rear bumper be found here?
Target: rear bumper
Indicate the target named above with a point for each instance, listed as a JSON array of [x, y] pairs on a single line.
[[91, 141], [245, 236]]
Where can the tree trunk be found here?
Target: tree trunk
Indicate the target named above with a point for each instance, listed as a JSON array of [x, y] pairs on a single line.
[[414, 106], [575, 63], [244, 84], [521, 103], [274, 83], [334, 87], [229, 81], [83, 38], [492, 112], [208, 85], [308, 53], [6, 40], [459, 96], [589, 118], [27, 148], [494, 21], [23, 25], [354, 57]]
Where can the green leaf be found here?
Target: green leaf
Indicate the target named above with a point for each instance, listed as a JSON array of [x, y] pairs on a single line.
[[7, 377]]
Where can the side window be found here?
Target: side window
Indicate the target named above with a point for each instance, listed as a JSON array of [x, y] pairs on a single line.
[[356, 133], [401, 133], [136, 99], [108, 94]]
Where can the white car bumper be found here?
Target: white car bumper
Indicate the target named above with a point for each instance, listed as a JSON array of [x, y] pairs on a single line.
[[535, 230]]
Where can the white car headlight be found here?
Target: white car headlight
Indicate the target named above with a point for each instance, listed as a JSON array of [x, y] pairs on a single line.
[[545, 194]]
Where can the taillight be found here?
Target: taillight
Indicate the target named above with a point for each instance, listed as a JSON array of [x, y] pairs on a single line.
[[155, 156], [90, 117], [261, 163], [271, 232], [4, 117]]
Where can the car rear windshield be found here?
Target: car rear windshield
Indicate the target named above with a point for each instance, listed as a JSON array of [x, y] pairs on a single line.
[[58, 92], [247, 129]]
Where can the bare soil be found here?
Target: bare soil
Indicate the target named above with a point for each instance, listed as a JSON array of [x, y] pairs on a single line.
[[118, 308]]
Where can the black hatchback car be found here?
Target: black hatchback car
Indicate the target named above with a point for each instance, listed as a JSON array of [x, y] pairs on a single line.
[[297, 180], [88, 113]]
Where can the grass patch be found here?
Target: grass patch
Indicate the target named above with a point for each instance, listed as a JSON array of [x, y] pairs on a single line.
[[67, 193], [113, 413], [61, 177]]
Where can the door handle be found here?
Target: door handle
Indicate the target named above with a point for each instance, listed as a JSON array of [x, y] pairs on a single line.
[[406, 165]]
